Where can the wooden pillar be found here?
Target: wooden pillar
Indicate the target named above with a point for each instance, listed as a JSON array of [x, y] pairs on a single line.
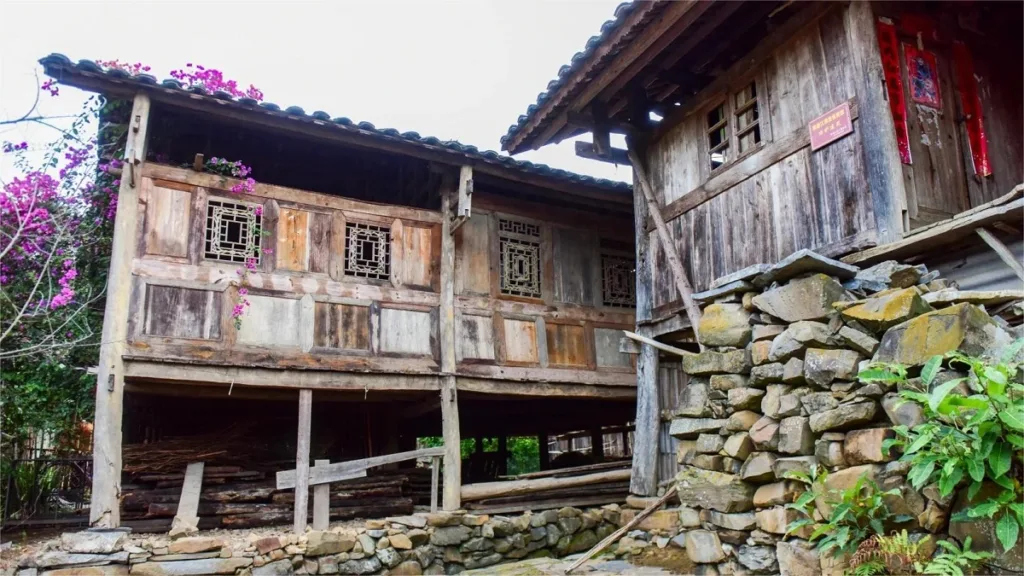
[[449, 394], [884, 172], [597, 444], [542, 441], [302, 460], [643, 481], [321, 502], [104, 510]]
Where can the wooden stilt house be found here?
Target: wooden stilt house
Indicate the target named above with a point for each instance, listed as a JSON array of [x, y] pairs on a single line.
[[865, 131], [401, 288]]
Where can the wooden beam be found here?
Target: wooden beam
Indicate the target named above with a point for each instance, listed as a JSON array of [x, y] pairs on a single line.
[[884, 172], [549, 389], [587, 122], [321, 502], [485, 490], [104, 509], [340, 471], [935, 237], [654, 343], [668, 247], [1002, 251], [302, 460], [435, 467], [622, 531], [614, 156]]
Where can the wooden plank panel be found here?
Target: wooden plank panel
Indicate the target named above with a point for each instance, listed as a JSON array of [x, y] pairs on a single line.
[[271, 321], [520, 341], [341, 326], [474, 338], [320, 239], [575, 259], [182, 312], [168, 218], [606, 348], [567, 345], [406, 331], [293, 240], [417, 262], [472, 256]]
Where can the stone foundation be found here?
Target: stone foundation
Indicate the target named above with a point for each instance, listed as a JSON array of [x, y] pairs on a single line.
[[776, 390]]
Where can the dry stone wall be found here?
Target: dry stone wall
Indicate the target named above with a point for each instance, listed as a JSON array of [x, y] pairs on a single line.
[[776, 390]]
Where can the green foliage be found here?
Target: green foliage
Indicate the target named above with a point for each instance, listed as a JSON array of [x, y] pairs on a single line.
[[952, 560], [48, 396], [870, 568], [896, 553], [523, 451], [973, 438], [857, 512]]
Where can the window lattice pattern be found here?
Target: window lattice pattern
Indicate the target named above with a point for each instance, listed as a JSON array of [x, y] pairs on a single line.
[[520, 267], [367, 251], [232, 232], [517, 227], [618, 286]]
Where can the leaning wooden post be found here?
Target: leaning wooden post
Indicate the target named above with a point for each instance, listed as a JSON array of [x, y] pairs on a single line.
[[449, 392], [1002, 251], [321, 502], [302, 460], [682, 281], [104, 509], [435, 465]]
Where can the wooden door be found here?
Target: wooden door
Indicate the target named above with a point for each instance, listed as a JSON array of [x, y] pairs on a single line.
[[936, 182]]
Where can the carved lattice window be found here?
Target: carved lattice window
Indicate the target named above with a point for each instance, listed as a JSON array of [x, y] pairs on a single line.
[[618, 283], [367, 251], [519, 257], [232, 231]]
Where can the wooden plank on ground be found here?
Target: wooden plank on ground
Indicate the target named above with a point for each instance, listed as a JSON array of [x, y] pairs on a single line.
[[486, 490], [546, 504], [353, 468], [188, 505]]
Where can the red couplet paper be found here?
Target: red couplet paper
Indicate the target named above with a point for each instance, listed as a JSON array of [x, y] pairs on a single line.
[[831, 126], [889, 48], [970, 103]]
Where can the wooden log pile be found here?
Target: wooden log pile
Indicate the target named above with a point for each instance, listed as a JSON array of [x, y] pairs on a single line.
[[580, 486]]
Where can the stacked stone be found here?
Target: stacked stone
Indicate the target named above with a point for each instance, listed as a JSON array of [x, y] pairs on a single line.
[[776, 390], [439, 543]]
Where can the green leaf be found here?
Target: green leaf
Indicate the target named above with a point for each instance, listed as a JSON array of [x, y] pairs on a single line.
[[1003, 481], [931, 368], [976, 468], [1007, 531], [920, 442], [803, 500], [948, 483], [877, 526], [1013, 417], [985, 509], [1016, 439], [999, 459], [919, 475], [878, 375], [940, 393]]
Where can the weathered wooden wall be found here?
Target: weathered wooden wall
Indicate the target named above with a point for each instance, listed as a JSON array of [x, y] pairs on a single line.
[[781, 197], [305, 312]]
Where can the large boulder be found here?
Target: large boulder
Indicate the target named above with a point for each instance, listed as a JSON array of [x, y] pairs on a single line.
[[962, 327], [712, 362], [822, 367], [714, 490], [724, 325], [844, 417], [887, 309], [807, 298]]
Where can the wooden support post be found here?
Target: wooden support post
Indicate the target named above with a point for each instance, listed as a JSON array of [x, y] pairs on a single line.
[[435, 465], [321, 502], [545, 455], [597, 444], [188, 504], [302, 460], [668, 247], [449, 397], [1002, 251], [644, 480], [104, 509]]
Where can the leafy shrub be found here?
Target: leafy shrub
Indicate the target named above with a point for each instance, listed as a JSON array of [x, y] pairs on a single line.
[[974, 438], [954, 561], [858, 513], [896, 553]]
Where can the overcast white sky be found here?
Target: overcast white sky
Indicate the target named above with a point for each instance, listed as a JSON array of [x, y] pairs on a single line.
[[460, 70]]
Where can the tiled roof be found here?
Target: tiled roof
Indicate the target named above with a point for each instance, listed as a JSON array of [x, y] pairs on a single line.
[[60, 67], [571, 75]]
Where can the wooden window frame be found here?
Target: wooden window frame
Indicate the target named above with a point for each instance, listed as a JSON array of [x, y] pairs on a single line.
[[540, 240], [726, 99]]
